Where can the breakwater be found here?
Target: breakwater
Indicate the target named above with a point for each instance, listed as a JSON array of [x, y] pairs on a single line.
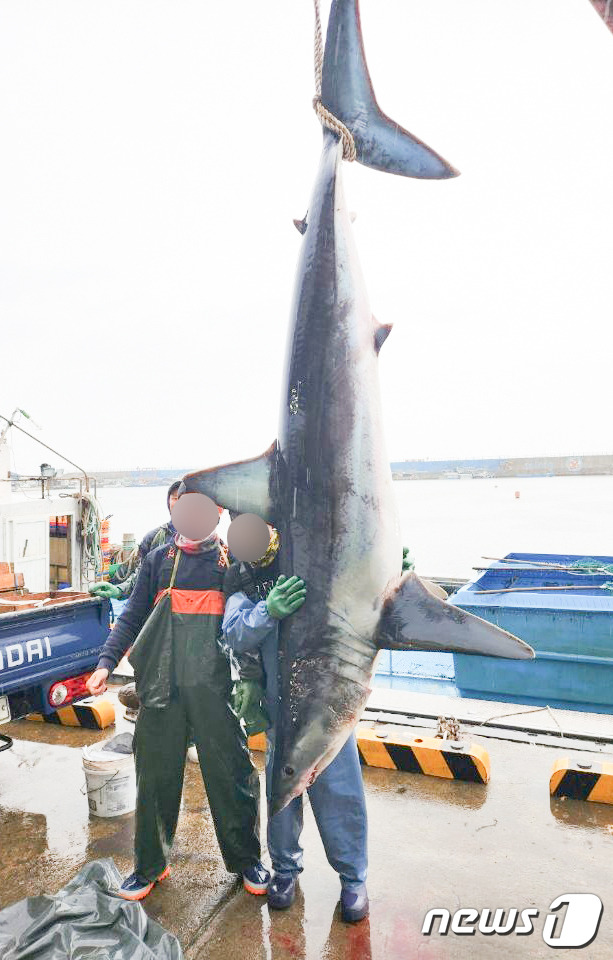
[[569, 466]]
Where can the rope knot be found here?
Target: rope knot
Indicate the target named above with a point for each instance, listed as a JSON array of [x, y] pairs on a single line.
[[328, 120]]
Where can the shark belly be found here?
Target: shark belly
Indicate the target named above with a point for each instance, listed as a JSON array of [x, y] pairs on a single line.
[[339, 530]]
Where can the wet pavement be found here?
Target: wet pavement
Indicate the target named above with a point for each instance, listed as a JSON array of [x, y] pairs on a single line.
[[433, 843], [436, 843], [47, 833]]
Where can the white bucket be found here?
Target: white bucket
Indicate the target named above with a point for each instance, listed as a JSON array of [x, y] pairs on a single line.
[[128, 544], [110, 781]]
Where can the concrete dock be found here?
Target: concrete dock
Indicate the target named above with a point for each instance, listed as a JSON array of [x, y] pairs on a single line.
[[433, 843]]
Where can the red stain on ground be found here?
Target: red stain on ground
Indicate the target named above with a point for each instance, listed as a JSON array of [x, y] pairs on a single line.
[[358, 941], [287, 942], [404, 940]]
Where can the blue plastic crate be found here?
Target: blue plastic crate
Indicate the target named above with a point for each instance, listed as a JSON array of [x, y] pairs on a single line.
[[571, 631]]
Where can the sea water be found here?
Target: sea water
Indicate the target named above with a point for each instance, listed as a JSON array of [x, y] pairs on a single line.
[[449, 525]]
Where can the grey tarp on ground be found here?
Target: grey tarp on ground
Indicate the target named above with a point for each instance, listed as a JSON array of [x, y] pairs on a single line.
[[84, 919]]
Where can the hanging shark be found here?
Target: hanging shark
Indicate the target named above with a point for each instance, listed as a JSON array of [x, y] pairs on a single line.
[[326, 483]]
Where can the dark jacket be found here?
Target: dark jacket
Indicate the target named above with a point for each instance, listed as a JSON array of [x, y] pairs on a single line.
[[198, 571], [126, 575], [256, 582]]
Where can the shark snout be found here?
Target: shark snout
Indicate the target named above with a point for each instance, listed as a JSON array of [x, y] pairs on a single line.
[[291, 787]]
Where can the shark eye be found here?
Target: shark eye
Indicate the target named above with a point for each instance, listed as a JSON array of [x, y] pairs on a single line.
[[289, 771]]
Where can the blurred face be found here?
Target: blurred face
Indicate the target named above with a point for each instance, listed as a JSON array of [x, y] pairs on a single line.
[[248, 537], [195, 516]]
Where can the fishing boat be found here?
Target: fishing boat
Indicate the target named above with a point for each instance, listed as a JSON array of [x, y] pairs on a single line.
[[51, 548], [52, 539]]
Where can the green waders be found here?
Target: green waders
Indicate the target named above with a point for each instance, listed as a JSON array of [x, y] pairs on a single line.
[[183, 681]]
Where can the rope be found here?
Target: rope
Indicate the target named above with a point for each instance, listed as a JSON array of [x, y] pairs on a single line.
[[448, 727], [319, 50], [91, 549], [326, 118], [518, 713], [608, 585]]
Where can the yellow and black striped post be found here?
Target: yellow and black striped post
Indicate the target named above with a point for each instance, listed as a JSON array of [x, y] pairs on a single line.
[[428, 755], [93, 716], [582, 780], [431, 756]]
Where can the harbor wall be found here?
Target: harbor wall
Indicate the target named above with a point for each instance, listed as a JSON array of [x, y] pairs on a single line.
[[592, 465]]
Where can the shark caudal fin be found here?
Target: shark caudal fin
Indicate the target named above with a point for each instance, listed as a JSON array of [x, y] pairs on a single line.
[[247, 486], [412, 618], [347, 92]]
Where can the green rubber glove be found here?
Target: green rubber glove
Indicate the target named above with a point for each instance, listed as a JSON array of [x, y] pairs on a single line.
[[112, 570], [407, 560], [108, 590], [248, 701], [286, 597]]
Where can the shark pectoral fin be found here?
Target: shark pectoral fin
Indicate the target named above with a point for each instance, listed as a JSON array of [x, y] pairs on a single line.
[[412, 618], [347, 92], [434, 589], [247, 486], [301, 225]]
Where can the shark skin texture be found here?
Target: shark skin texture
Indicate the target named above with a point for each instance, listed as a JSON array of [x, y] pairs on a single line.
[[326, 483]]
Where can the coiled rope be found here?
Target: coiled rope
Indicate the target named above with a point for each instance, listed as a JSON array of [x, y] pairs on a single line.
[[91, 547], [326, 118]]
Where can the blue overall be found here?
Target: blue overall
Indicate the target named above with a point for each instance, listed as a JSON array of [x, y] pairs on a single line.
[[337, 796]]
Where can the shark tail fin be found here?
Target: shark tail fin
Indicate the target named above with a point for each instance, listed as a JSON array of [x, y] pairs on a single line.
[[413, 618], [348, 94], [247, 486]]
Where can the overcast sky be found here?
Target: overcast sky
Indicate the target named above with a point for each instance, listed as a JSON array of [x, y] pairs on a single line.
[[153, 157]]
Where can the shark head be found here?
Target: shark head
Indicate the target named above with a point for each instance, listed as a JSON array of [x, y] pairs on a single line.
[[292, 782], [299, 763], [316, 725]]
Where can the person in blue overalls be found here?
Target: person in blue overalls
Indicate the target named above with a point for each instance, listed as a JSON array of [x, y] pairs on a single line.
[[257, 598]]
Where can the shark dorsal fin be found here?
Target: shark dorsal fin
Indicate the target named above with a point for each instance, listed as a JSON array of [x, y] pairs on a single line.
[[247, 486], [382, 332], [413, 618]]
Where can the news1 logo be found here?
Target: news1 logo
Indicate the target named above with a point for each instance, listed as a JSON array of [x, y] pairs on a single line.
[[577, 928]]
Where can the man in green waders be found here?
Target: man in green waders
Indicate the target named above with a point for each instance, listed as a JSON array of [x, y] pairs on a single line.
[[173, 620]]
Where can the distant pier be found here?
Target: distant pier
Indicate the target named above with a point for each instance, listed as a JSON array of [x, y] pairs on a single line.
[[570, 466]]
